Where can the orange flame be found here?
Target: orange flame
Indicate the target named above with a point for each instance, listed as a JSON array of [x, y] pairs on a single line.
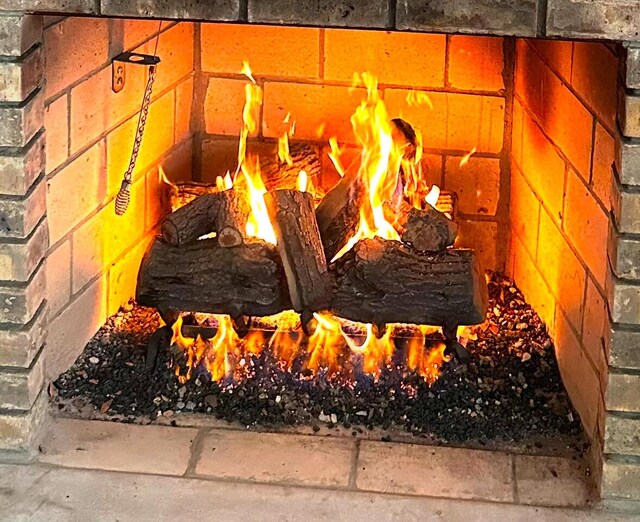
[[376, 352], [302, 181], [326, 343], [465, 159], [334, 156]]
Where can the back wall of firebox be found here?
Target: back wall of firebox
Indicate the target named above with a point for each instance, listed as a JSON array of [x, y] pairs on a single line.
[[534, 196]]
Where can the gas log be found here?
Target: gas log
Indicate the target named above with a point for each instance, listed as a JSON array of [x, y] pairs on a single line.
[[382, 282], [427, 230], [222, 212], [203, 277], [279, 175], [338, 214], [300, 247]]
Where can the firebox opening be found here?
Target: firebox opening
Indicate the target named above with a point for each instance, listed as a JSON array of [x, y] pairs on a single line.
[[517, 134]]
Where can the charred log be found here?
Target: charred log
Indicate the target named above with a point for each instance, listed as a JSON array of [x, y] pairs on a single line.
[[203, 277], [222, 212], [426, 230], [338, 214], [382, 282], [300, 247], [279, 175]]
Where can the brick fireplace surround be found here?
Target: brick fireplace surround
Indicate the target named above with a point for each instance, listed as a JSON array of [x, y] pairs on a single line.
[[549, 118]]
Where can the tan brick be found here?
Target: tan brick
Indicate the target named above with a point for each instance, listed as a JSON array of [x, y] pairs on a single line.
[[529, 77], [56, 122], [557, 53], [312, 107], [178, 166], [620, 479], [622, 435], [623, 392], [105, 237], [89, 119], [594, 329], [184, 99], [578, 376], [586, 224], [21, 78], [420, 470], [19, 216], [154, 145], [273, 457], [386, 55], [19, 33], [561, 269], [595, 76], [477, 184], [65, 207], [226, 46], [59, 277], [19, 430], [524, 213], [533, 285], [602, 168], [123, 276], [138, 32], [20, 388], [18, 260], [475, 63], [20, 123], [72, 329], [551, 481], [20, 168], [456, 122], [20, 344], [517, 132], [118, 447], [223, 106], [74, 48], [20, 302], [482, 236], [176, 50]]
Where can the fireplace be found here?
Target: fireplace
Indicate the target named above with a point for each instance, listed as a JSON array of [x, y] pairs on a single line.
[[527, 117]]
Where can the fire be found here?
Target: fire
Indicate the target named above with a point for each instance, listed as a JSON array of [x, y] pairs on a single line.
[[376, 351], [224, 183], [326, 343], [379, 166], [334, 156], [426, 361], [302, 181], [465, 159], [258, 222], [432, 197]]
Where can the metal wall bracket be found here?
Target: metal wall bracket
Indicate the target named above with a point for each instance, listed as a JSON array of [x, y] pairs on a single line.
[[119, 71]]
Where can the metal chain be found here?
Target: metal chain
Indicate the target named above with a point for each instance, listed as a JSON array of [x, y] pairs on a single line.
[[142, 121]]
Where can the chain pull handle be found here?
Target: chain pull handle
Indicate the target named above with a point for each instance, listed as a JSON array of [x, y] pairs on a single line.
[[124, 194]]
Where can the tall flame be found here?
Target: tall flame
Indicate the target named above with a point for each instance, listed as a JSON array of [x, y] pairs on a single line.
[[379, 165], [258, 222]]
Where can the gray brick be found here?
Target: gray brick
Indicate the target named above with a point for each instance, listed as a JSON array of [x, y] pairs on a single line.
[[19, 345], [623, 392], [20, 430], [332, 13], [214, 10], [621, 479], [611, 19], [624, 348], [510, 17], [626, 209], [20, 78], [19, 259], [19, 168], [632, 66], [20, 388], [629, 115], [622, 435], [20, 215], [624, 253], [20, 302], [20, 122], [18, 33], [628, 161], [50, 6]]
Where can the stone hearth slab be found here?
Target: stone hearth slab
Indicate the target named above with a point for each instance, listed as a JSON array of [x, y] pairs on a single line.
[[435, 471], [118, 447], [271, 457]]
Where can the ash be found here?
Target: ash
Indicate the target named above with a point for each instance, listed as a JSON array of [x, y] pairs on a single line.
[[509, 391]]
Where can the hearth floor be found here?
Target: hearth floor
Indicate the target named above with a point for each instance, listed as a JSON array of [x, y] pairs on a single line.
[[96, 470]]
